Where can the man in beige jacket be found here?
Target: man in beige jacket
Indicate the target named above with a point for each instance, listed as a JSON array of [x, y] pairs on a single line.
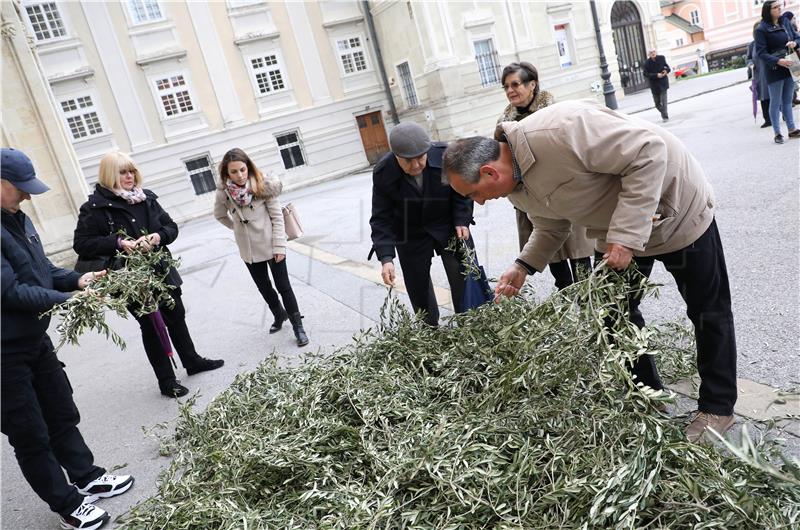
[[641, 194]]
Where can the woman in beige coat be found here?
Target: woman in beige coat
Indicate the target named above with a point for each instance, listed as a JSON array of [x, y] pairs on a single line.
[[247, 203], [521, 86]]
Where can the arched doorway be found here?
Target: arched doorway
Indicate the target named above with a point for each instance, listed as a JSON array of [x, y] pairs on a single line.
[[629, 44]]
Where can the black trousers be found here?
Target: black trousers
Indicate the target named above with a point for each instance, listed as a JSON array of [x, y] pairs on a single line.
[[280, 274], [660, 99], [40, 419], [175, 319], [702, 278], [566, 271], [415, 261], [765, 111]]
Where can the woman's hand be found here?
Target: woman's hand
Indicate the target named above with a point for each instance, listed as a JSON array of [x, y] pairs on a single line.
[[128, 245], [279, 257], [786, 63], [149, 241], [387, 273], [791, 45], [462, 232], [89, 277]]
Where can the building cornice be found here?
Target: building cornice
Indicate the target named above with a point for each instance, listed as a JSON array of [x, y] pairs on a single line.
[[343, 21], [253, 37], [80, 73], [161, 56]]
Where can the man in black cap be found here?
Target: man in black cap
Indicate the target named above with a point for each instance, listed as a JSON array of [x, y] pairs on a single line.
[[416, 215], [39, 416]]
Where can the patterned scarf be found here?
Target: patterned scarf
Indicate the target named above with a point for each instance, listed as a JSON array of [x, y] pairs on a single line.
[[241, 195], [135, 196]]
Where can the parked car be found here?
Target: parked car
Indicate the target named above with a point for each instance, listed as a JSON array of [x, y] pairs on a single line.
[[684, 71]]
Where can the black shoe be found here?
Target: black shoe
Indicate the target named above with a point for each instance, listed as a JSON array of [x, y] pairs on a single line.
[[794, 134], [173, 389], [766, 124], [297, 325], [778, 138], [280, 318], [201, 364]]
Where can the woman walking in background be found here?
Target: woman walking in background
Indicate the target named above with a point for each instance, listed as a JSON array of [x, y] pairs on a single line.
[[521, 86], [247, 203], [773, 43], [119, 203]]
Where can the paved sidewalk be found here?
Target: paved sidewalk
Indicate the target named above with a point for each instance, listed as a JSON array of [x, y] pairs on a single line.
[[683, 89]]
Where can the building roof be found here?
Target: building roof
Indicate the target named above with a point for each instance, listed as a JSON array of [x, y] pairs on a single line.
[[683, 24]]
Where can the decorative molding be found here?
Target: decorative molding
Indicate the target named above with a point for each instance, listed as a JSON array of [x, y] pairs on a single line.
[[559, 9], [343, 21], [161, 56], [253, 37], [80, 73]]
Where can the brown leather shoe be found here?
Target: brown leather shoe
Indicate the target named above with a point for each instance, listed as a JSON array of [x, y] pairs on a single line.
[[696, 431]]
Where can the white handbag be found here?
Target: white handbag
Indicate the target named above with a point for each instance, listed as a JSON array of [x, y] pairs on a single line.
[[291, 222]]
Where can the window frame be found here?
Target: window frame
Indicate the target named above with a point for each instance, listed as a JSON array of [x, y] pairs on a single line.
[[695, 13], [62, 19], [569, 43], [298, 142], [403, 85], [253, 72], [81, 112], [351, 51], [173, 90], [211, 169], [132, 13], [495, 60]]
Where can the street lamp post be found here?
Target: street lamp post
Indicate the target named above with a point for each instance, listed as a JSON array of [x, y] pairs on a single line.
[[608, 88]]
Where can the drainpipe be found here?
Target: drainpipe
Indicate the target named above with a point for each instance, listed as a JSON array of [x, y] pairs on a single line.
[[379, 57]]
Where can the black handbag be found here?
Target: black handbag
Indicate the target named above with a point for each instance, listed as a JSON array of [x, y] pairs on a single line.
[[98, 263]]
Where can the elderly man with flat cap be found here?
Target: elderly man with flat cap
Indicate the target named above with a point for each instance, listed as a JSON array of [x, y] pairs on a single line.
[[39, 416], [414, 215]]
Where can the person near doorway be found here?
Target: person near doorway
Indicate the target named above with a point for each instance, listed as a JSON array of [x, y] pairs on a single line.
[[414, 216], [520, 83], [657, 71]]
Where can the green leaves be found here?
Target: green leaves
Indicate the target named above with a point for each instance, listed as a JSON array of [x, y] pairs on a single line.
[[139, 284], [513, 416]]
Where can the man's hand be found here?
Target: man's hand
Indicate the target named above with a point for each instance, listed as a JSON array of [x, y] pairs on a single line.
[[462, 232], [89, 277], [279, 257], [387, 273], [510, 282], [617, 256]]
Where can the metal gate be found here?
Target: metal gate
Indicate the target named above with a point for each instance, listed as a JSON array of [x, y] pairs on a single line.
[[629, 44]]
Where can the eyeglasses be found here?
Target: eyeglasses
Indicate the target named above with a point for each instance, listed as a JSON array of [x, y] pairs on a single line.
[[513, 84]]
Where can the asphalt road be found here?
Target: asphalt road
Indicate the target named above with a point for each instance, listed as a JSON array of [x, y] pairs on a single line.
[[756, 185]]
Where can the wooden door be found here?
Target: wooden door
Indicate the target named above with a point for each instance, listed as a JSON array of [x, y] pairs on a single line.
[[373, 136]]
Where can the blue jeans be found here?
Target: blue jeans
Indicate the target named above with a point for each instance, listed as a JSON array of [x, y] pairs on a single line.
[[780, 101]]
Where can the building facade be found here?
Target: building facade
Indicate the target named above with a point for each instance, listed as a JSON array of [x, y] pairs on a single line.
[[178, 83]]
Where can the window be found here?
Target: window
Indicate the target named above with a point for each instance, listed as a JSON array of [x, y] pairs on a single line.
[[406, 81], [695, 17], [679, 42], [291, 150], [46, 21], [201, 174], [174, 95], [351, 54], [562, 43], [267, 73], [81, 117], [488, 65], [144, 10]]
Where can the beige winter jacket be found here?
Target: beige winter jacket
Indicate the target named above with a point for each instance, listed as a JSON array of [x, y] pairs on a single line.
[[258, 227], [626, 180]]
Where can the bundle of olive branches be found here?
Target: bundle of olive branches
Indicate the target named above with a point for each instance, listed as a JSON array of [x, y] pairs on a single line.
[[514, 416], [138, 283]]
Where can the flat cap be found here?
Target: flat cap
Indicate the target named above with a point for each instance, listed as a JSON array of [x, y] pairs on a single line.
[[409, 140]]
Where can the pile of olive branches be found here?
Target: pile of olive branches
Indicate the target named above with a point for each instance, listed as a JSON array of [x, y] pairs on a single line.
[[513, 416], [138, 282]]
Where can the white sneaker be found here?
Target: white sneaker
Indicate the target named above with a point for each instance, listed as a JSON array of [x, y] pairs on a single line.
[[106, 486], [87, 516]]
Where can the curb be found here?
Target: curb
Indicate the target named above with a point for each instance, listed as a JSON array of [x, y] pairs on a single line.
[[691, 96]]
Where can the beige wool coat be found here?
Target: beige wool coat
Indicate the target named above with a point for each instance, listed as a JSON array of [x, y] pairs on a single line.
[[628, 181], [262, 235], [577, 244]]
